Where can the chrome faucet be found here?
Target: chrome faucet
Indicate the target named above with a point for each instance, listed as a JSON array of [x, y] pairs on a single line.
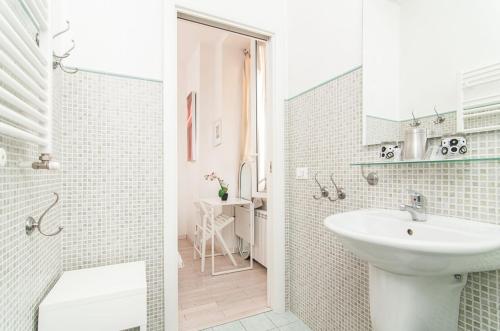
[[416, 209]]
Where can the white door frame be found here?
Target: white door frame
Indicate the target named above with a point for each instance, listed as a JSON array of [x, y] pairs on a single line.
[[276, 281]]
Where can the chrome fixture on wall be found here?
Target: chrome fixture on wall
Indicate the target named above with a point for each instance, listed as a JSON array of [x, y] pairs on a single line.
[[325, 193], [45, 163], [32, 224], [414, 123], [57, 59], [439, 119], [371, 178], [339, 190], [417, 208]]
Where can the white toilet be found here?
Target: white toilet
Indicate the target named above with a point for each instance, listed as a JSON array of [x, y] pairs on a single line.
[[109, 298]]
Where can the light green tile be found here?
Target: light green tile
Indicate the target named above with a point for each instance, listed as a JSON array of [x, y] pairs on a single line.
[[281, 319], [295, 326], [233, 326], [258, 323]]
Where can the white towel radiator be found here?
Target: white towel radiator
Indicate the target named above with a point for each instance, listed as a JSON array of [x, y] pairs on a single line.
[[25, 72], [479, 99]]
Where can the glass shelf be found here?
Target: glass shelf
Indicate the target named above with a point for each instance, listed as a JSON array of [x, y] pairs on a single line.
[[457, 160]]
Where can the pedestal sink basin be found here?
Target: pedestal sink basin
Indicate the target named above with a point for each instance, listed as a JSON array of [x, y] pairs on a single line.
[[417, 269]]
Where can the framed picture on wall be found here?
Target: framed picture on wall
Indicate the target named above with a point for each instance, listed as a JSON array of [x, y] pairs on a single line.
[[217, 132], [191, 126]]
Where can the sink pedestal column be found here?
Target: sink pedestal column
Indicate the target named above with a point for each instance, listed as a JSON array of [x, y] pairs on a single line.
[[414, 303]]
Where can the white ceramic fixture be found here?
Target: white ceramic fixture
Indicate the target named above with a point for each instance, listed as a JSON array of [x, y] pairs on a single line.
[[111, 297], [417, 269]]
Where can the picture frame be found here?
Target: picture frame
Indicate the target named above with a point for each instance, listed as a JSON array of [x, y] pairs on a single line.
[[217, 132]]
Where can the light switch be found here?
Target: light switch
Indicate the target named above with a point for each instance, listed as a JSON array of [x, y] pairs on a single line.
[[302, 173]]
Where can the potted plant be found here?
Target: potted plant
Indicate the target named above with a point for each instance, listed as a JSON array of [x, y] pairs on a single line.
[[223, 186]]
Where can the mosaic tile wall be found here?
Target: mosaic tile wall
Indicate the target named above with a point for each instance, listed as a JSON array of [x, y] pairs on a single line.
[[29, 265], [112, 177], [327, 286]]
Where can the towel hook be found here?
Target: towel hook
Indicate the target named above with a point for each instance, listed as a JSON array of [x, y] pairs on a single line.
[[32, 224], [66, 69], [414, 123], [63, 31], [323, 190], [340, 191], [439, 119], [57, 59], [67, 53]]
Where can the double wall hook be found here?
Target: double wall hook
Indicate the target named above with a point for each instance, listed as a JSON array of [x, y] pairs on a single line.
[[339, 190], [32, 224], [57, 59], [324, 193], [323, 189]]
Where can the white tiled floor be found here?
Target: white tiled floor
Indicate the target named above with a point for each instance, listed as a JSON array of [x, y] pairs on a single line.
[[267, 321]]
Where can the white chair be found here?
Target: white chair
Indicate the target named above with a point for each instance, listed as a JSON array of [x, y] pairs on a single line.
[[203, 233]]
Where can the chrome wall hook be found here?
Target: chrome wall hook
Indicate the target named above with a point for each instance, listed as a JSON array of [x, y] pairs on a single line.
[[323, 189], [66, 69], [339, 190], [32, 224], [67, 53], [63, 31], [414, 123], [371, 178], [57, 59], [439, 119]]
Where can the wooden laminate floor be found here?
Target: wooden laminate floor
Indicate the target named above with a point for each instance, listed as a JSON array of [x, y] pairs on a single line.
[[206, 300]]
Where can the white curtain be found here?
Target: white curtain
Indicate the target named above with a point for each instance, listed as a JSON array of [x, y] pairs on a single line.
[[245, 135]]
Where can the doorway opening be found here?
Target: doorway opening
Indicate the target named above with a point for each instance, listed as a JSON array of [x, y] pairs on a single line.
[[224, 163]]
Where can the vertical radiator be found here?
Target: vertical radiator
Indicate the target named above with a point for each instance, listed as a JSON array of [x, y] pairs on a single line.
[[479, 99], [25, 71]]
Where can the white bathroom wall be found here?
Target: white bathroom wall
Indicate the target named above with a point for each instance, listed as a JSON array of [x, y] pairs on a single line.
[[125, 36], [324, 40], [381, 49], [211, 65], [189, 80], [263, 14], [118, 36]]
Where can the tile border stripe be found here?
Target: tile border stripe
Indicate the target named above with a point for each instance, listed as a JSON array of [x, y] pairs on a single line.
[[115, 74], [325, 82]]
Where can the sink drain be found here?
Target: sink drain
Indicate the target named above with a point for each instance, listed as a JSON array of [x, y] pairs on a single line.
[[410, 232]]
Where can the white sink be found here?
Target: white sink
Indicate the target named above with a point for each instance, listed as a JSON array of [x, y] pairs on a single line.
[[390, 240], [417, 269]]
